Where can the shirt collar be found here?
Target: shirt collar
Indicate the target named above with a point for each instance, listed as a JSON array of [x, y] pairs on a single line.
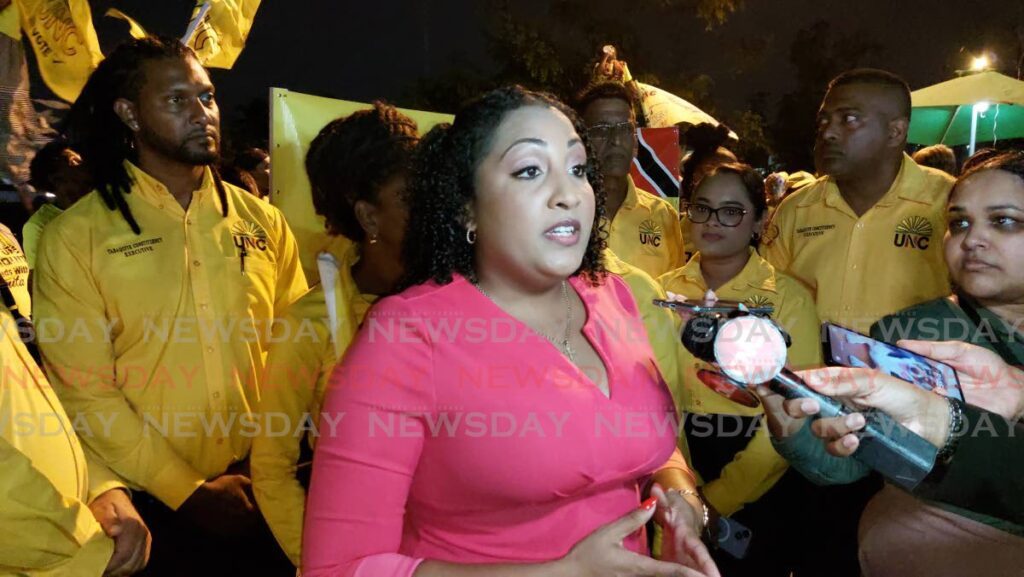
[[757, 273], [613, 264], [908, 185], [631, 195], [154, 191]]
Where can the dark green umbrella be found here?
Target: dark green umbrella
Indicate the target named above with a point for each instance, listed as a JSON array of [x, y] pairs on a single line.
[[943, 113]]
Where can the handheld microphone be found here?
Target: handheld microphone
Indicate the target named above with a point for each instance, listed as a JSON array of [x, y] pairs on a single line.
[[751, 349]]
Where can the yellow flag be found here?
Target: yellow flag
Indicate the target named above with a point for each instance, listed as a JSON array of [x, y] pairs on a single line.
[[218, 30], [64, 41], [9, 22], [295, 119], [134, 28]]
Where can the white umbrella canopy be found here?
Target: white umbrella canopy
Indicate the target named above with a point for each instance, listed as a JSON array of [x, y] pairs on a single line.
[[663, 109]]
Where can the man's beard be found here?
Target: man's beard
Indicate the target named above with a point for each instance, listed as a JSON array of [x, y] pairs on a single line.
[[180, 152]]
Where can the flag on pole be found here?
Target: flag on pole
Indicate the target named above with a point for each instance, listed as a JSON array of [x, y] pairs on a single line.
[[136, 30], [218, 30], [10, 24], [64, 41]]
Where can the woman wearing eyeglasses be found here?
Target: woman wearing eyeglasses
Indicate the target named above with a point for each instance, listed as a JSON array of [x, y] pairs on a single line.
[[730, 449]]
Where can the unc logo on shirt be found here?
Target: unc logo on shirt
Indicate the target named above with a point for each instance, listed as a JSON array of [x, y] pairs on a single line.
[[759, 301], [249, 235], [650, 233], [913, 232]]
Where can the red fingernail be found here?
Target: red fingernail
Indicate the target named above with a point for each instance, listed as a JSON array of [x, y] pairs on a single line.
[[649, 504]]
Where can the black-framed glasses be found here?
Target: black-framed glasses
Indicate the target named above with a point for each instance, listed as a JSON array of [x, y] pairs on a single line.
[[603, 132], [727, 215]]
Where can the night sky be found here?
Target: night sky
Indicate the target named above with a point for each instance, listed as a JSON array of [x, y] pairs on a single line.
[[365, 50]]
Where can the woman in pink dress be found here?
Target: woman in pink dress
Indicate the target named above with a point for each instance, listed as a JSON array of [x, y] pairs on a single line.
[[504, 415]]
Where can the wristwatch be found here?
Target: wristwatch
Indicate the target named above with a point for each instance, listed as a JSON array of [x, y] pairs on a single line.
[[956, 423]]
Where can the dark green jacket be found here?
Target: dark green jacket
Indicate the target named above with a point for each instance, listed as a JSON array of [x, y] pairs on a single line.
[[986, 472], [937, 320]]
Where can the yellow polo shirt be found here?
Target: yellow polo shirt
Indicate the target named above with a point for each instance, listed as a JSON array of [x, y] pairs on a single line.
[[162, 335], [755, 469], [298, 369], [645, 232], [863, 268], [46, 527], [14, 269]]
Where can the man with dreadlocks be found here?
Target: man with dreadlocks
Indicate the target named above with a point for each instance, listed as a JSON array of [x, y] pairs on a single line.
[[156, 294]]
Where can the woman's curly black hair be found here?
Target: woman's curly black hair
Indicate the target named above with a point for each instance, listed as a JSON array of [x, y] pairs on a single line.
[[352, 158], [442, 188]]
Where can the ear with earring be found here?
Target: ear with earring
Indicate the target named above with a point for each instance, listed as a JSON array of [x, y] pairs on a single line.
[[373, 239]]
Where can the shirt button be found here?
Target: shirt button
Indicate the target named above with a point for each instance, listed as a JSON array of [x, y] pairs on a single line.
[[860, 225], [195, 262], [216, 395], [220, 441], [188, 221], [854, 267], [203, 306], [210, 349]]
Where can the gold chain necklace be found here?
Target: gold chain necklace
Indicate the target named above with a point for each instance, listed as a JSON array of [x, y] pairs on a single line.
[[564, 343]]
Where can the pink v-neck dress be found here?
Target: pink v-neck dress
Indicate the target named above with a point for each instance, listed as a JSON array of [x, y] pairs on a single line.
[[453, 432]]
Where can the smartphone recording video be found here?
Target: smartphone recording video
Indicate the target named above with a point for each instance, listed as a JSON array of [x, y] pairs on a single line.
[[847, 348]]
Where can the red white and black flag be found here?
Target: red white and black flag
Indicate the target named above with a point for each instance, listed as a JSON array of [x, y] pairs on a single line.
[[656, 166]]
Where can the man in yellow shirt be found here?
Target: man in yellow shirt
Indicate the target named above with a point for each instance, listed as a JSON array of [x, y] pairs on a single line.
[[61, 513], [643, 229], [867, 236], [156, 294]]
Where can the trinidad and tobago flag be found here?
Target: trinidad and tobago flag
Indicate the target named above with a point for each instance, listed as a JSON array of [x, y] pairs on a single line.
[[656, 166]]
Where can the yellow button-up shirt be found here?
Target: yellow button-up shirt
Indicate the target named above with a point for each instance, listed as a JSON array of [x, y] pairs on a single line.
[[292, 393], [755, 469], [863, 268], [645, 232], [14, 269], [162, 335], [46, 527]]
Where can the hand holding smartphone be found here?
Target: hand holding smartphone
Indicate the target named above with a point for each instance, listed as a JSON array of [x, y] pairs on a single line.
[[846, 348]]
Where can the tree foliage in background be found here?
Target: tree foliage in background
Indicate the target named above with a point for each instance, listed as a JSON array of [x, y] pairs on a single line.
[[552, 45], [712, 12], [755, 144], [818, 53]]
